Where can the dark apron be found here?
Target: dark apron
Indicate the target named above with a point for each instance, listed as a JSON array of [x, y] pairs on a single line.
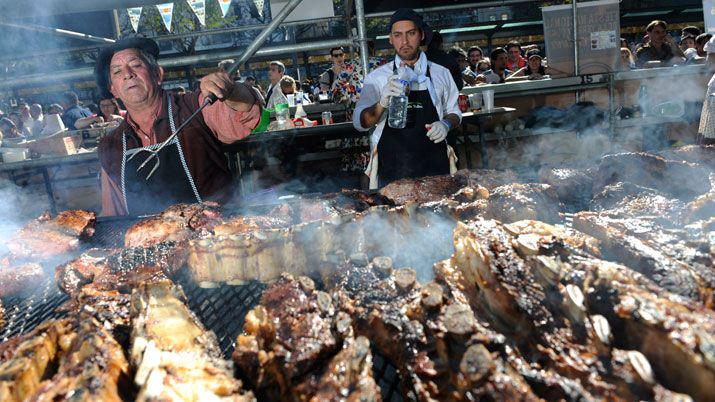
[[408, 152], [171, 183]]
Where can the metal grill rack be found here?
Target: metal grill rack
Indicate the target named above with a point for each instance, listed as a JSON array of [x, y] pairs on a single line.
[[221, 309]]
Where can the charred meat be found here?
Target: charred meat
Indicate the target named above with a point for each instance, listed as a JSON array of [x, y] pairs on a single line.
[[515, 202], [47, 237], [572, 185], [424, 189], [175, 357], [177, 223], [17, 279]]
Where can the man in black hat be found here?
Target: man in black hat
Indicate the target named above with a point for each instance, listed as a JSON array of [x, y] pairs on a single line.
[[419, 149], [192, 168]]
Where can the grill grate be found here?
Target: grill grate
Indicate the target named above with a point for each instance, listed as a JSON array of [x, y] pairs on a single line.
[[221, 309]]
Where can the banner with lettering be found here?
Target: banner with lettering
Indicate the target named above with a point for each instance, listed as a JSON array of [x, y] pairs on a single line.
[[709, 16], [224, 4], [135, 14], [259, 7], [199, 8], [598, 38], [166, 10]]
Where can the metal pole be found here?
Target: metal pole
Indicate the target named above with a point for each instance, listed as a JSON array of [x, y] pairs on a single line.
[[575, 39], [58, 32], [263, 36], [117, 28], [88, 73], [362, 34]]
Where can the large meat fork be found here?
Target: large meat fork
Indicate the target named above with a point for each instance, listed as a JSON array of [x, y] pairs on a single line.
[[155, 153]]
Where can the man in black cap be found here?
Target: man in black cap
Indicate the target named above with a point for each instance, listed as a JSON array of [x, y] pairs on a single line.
[[419, 149], [192, 168]]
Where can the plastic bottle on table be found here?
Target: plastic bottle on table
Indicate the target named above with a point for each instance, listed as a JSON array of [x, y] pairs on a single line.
[[299, 111], [643, 101], [397, 111], [282, 114]]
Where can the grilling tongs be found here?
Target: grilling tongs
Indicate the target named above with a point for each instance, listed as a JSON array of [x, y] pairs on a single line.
[[155, 153]]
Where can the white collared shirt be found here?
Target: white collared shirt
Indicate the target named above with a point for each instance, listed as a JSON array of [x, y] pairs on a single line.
[[444, 99]]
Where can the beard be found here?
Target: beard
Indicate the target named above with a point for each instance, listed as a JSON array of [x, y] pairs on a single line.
[[409, 54]]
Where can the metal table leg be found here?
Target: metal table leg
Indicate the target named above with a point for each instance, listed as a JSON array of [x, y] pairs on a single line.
[[48, 189], [465, 142], [482, 143]]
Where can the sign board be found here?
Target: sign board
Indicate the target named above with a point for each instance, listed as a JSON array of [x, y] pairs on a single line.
[[598, 37], [709, 16], [306, 10]]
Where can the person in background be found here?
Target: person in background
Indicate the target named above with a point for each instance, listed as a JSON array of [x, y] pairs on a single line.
[[436, 54], [19, 124], [466, 74], [514, 59], [108, 111], [706, 129], [24, 110], [534, 69], [474, 55], [624, 42], [180, 90], [627, 60], [9, 130], [73, 111], [55, 108], [328, 78], [484, 65], [498, 72], [225, 65], [251, 81], [276, 70], [288, 86], [687, 42], [37, 119], [661, 49], [690, 30], [700, 42], [420, 148]]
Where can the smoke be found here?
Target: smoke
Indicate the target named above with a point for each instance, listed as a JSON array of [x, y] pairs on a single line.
[[18, 206]]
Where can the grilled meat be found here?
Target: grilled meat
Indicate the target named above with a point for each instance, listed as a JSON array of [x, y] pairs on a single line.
[[348, 372], [488, 178], [700, 208], [704, 155], [680, 179], [428, 332], [26, 360], [175, 357], [120, 269], [424, 189], [47, 237], [290, 335], [630, 200], [17, 279], [177, 223], [515, 202], [572, 185], [641, 246]]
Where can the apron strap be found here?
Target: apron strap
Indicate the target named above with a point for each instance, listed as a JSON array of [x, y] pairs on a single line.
[[181, 154]]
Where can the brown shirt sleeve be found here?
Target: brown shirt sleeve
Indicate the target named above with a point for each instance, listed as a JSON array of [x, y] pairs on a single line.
[[112, 199]]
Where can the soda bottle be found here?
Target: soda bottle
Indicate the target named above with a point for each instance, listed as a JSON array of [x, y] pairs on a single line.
[[397, 111]]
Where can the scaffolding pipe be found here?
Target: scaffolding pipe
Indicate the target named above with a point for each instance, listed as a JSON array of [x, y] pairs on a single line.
[[117, 28], [267, 31], [575, 38], [452, 7], [88, 73], [362, 34], [58, 32]]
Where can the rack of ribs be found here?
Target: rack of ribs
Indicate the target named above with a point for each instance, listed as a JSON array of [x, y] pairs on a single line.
[[441, 349], [660, 254], [627, 318], [46, 237], [295, 342], [177, 223], [175, 357]]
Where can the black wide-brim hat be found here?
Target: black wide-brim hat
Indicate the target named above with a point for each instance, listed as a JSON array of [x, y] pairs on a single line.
[[105, 57], [408, 14]]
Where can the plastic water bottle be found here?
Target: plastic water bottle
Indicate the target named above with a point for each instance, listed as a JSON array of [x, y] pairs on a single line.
[[299, 111], [643, 101], [397, 112]]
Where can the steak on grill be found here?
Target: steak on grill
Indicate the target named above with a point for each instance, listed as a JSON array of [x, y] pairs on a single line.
[[680, 179], [630, 200], [572, 185], [515, 202], [177, 223], [17, 279], [175, 357], [423, 189], [47, 237]]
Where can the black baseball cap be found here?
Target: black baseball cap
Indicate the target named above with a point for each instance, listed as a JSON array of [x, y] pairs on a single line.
[[105, 57], [408, 14]]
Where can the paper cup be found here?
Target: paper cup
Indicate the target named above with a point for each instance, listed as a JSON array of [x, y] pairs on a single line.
[[488, 95]]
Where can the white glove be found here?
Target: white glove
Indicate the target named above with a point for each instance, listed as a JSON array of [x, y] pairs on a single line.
[[437, 131], [393, 88]]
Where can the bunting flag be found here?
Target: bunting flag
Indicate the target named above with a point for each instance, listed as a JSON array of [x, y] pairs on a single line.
[[135, 14], [225, 4], [198, 6], [259, 7], [166, 10]]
